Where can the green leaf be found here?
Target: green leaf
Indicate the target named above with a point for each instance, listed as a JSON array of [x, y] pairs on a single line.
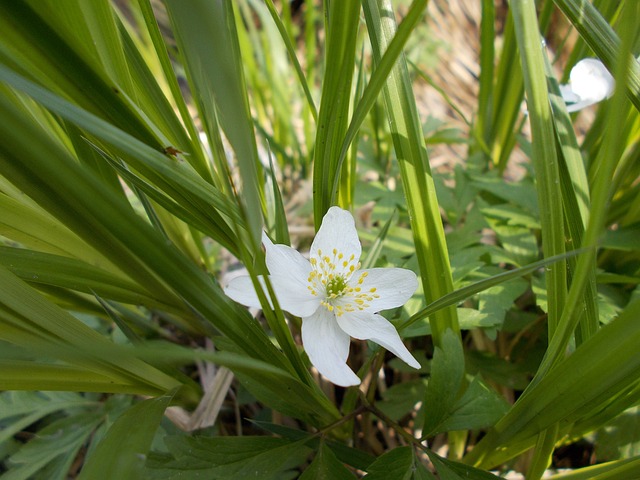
[[601, 38], [29, 407], [379, 78], [402, 398], [447, 372], [227, 458], [605, 165], [544, 155], [626, 468], [624, 239], [515, 374], [449, 470], [38, 50], [280, 220], [155, 37], [602, 367], [521, 194], [469, 319], [208, 41], [55, 447], [152, 101], [356, 458], [42, 268], [270, 384], [52, 177], [487, 72], [30, 321], [122, 452], [575, 197], [479, 407], [400, 463], [375, 250], [31, 375], [618, 439], [504, 110], [496, 301], [343, 19], [206, 220], [512, 215], [465, 292], [292, 55], [326, 466], [417, 180], [34, 228]]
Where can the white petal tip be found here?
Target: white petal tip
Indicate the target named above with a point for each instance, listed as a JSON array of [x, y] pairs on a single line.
[[241, 290], [345, 379], [347, 384], [412, 362], [266, 241]]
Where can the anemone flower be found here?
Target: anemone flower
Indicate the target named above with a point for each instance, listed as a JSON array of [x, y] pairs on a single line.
[[334, 297], [589, 83]]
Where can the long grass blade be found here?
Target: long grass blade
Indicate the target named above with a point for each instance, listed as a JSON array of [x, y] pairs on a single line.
[[208, 40], [603, 366], [418, 183], [333, 117]]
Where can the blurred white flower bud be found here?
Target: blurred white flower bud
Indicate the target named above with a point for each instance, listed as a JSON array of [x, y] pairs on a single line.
[[589, 82]]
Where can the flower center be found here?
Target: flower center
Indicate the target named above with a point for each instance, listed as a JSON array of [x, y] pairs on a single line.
[[329, 278], [336, 287]]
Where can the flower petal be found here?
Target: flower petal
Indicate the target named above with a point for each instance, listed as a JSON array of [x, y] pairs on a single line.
[[294, 296], [568, 95], [374, 327], [290, 296], [286, 261], [241, 290], [289, 277], [328, 347], [393, 286], [337, 236], [591, 81], [575, 107]]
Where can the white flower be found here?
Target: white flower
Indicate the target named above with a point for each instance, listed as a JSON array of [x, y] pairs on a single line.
[[335, 299], [589, 82]]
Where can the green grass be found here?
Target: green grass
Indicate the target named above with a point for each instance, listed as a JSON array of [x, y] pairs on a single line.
[[146, 146]]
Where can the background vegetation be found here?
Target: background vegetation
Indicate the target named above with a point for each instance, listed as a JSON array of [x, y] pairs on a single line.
[[145, 145]]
